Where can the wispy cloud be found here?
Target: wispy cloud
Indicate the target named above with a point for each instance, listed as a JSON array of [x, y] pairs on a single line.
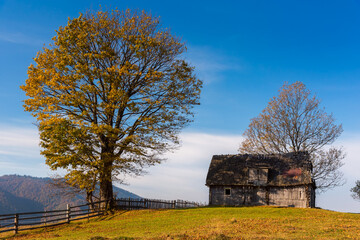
[[339, 198], [183, 175], [211, 64], [19, 141], [20, 151], [352, 162], [19, 38]]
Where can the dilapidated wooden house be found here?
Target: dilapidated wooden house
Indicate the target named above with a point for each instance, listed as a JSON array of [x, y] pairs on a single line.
[[254, 179]]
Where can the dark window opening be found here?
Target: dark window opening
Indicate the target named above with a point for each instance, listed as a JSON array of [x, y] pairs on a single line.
[[227, 191]]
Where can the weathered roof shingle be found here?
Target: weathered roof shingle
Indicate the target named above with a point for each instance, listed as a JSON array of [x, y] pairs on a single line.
[[283, 170]]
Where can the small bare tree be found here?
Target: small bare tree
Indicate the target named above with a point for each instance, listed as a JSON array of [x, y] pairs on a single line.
[[71, 185], [356, 190], [294, 122]]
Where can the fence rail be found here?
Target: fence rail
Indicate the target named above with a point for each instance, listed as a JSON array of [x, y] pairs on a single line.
[[33, 220], [131, 204]]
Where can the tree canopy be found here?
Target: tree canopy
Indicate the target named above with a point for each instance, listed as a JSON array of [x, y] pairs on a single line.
[[293, 121], [110, 95]]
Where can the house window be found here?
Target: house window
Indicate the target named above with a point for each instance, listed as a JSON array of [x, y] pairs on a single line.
[[227, 191]]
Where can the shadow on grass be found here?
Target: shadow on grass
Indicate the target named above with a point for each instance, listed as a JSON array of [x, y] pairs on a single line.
[[104, 238], [188, 237], [109, 216]]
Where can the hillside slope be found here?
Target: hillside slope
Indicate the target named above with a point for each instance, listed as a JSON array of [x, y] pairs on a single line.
[[209, 223], [25, 193], [11, 203]]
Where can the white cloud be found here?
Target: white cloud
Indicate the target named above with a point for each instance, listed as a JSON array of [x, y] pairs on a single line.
[[211, 64], [31, 167], [15, 141], [182, 176], [339, 199], [352, 161], [20, 152]]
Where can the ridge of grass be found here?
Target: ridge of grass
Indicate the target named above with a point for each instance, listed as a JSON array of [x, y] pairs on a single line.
[[218, 223]]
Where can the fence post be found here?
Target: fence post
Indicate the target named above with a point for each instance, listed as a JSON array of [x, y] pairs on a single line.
[[45, 217], [88, 212], [16, 223], [68, 213]]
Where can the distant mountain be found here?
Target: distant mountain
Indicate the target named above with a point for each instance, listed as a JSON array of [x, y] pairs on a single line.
[[29, 194]]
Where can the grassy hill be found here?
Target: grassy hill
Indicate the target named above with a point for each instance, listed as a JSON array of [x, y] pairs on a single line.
[[209, 223]]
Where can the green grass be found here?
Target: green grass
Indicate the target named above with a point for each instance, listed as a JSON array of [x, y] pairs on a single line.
[[208, 223]]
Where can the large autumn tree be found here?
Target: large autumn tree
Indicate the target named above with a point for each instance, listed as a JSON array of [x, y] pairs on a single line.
[[293, 121], [110, 95]]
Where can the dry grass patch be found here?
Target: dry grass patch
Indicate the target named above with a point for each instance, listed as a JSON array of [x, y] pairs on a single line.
[[209, 223]]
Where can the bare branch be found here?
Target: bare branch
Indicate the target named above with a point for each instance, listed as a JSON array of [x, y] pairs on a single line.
[[294, 122]]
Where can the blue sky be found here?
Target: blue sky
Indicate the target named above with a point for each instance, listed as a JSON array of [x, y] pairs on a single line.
[[243, 51]]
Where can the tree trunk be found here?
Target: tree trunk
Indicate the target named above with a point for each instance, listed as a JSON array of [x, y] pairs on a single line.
[[90, 200], [106, 188]]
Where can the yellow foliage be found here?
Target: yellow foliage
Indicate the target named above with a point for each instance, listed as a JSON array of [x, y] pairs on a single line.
[[110, 94]]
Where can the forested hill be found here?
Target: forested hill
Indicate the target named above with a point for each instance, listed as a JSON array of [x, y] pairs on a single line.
[[25, 194]]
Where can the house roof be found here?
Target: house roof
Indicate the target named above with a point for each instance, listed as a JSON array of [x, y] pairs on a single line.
[[283, 170]]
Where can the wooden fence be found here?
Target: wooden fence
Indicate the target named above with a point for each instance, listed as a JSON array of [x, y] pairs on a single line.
[[33, 220], [131, 204]]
